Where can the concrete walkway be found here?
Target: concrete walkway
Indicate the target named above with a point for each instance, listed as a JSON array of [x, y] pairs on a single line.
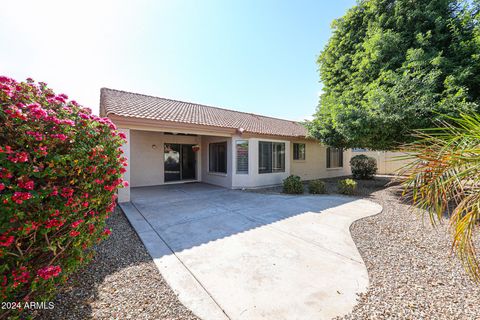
[[240, 255]]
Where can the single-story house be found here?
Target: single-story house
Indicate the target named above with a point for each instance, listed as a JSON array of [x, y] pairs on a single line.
[[170, 141]]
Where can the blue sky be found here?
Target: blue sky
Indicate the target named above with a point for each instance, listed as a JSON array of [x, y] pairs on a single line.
[[253, 56]]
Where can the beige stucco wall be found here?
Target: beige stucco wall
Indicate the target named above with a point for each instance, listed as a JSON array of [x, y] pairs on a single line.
[[220, 179], [315, 164], [388, 162], [147, 163]]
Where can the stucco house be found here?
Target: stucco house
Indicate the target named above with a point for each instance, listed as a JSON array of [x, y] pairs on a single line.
[[170, 141]]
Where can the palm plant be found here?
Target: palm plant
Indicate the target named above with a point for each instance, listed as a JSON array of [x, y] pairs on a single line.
[[444, 179]]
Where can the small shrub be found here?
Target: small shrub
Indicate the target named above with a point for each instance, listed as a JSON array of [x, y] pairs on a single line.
[[363, 167], [293, 185], [317, 187], [347, 186], [60, 168]]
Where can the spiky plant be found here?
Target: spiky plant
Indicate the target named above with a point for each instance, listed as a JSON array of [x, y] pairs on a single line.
[[444, 179]]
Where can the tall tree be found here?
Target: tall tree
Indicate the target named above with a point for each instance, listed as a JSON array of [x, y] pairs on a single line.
[[392, 66]]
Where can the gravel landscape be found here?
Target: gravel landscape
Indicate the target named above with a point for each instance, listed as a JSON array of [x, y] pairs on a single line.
[[412, 272]]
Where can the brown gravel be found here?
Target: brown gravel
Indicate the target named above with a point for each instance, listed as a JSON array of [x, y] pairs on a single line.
[[121, 282]]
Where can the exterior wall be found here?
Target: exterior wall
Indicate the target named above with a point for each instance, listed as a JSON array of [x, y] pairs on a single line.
[[315, 164], [147, 163], [220, 179], [253, 178], [387, 161]]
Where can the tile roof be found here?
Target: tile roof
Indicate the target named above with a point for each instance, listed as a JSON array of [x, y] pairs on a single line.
[[134, 105]]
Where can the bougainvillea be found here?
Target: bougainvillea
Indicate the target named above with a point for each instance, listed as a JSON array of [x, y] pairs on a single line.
[[60, 168]]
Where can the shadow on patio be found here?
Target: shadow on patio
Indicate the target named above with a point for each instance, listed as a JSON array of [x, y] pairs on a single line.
[[232, 252], [189, 215]]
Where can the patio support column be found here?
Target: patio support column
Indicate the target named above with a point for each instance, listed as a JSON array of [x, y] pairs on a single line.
[[124, 193]]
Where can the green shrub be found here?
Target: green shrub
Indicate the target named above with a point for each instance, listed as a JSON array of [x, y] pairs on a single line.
[[347, 186], [293, 185], [317, 187], [60, 168], [363, 167]]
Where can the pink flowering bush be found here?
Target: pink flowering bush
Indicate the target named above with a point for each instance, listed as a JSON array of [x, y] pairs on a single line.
[[60, 168]]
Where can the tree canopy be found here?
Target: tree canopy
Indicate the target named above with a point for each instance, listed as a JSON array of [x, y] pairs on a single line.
[[393, 66]]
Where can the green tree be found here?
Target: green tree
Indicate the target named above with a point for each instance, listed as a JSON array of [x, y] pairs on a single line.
[[392, 66]]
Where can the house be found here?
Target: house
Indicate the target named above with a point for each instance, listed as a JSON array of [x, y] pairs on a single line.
[[170, 141]]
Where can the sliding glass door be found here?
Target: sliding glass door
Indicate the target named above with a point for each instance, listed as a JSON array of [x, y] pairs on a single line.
[[188, 162], [179, 162]]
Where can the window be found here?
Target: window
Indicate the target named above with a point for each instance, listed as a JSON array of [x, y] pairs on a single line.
[[264, 157], [271, 157], [217, 154], [299, 151], [242, 156], [334, 157], [278, 157]]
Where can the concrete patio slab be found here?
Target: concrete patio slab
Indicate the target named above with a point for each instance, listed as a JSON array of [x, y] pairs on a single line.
[[242, 255]]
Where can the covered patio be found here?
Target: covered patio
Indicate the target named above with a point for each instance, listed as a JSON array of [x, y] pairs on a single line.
[[158, 157]]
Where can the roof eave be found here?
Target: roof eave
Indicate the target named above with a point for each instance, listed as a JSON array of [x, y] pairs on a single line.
[[138, 123], [167, 126]]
